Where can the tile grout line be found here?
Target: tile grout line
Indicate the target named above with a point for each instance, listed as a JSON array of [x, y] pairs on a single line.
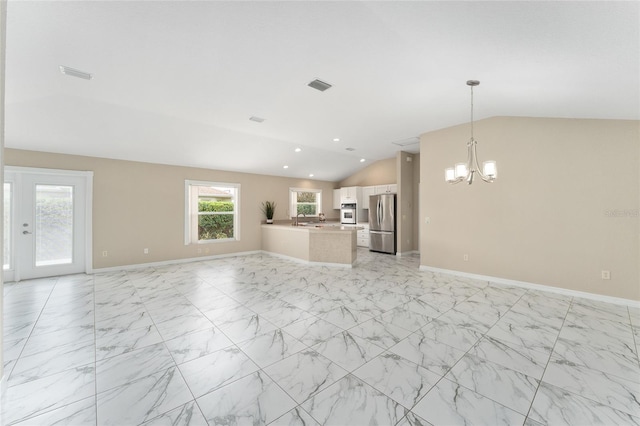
[[633, 335], [467, 353], [571, 302], [30, 333], [164, 344]]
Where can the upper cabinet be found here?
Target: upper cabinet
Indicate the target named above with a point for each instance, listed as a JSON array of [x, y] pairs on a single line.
[[360, 194], [351, 194], [336, 199], [387, 189], [367, 192]]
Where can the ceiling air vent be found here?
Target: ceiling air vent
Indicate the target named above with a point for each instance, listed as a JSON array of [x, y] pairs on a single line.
[[256, 119], [319, 85], [75, 73], [407, 142]]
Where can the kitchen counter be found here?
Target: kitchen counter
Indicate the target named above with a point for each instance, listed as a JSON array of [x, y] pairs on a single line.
[[327, 243]]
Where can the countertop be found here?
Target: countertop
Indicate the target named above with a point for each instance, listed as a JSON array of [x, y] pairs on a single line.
[[317, 226]]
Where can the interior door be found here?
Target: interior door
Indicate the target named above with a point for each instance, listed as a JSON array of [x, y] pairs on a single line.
[[48, 224]]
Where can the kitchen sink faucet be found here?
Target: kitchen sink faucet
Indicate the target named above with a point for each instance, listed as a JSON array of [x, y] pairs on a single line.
[[298, 215]]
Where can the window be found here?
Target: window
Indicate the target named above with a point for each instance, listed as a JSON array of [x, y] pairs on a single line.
[[305, 201], [211, 212]]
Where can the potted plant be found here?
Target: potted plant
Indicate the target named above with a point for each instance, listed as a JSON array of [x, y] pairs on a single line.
[[269, 208]]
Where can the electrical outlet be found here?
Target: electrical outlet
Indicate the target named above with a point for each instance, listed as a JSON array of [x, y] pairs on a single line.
[[606, 275], [105, 253], [465, 257], [145, 251]]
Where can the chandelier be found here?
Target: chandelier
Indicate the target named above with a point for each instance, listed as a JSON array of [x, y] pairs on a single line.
[[467, 171]]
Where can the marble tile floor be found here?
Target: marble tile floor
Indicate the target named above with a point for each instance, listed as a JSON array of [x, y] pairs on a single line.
[[256, 339]]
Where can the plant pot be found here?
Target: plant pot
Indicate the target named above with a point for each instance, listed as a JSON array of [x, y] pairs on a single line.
[[269, 221]]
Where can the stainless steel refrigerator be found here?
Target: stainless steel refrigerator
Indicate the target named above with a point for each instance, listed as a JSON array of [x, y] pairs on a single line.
[[382, 223]]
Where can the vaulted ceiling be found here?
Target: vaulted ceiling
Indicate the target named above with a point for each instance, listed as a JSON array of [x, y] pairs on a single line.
[[176, 82]]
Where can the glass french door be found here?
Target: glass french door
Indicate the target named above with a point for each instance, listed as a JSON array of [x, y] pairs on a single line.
[[44, 223]]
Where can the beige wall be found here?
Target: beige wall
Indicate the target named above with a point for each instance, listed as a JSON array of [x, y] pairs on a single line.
[[416, 202], [407, 238], [564, 206], [141, 205], [379, 173]]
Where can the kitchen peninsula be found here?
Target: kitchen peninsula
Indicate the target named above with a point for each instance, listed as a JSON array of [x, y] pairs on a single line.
[[321, 243]]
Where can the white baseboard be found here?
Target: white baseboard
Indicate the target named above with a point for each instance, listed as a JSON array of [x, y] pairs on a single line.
[[308, 262], [533, 286], [213, 257], [407, 253], [172, 262]]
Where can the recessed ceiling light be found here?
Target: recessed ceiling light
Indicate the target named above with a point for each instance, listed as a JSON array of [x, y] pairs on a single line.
[[319, 85], [75, 73], [350, 149], [285, 167], [310, 174], [362, 160], [336, 139], [256, 119], [297, 149]]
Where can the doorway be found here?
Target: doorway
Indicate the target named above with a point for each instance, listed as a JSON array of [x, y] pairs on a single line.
[[47, 223]]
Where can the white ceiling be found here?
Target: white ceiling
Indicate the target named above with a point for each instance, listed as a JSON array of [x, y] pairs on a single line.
[[175, 82]]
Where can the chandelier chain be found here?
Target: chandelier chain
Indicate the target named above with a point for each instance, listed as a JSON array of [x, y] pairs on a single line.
[[471, 112]]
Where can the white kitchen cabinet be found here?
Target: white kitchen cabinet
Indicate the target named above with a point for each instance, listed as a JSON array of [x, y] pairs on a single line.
[[351, 194], [362, 239], [367, 191], [336, 199], [387, 189]]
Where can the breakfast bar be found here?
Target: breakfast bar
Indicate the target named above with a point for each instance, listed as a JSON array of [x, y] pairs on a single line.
[[317, 243]]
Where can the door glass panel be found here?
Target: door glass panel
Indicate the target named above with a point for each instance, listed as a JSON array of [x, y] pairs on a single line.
[[54, 225], [6, 258]]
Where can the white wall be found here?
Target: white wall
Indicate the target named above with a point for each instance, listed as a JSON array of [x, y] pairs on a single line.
[[3, 33]]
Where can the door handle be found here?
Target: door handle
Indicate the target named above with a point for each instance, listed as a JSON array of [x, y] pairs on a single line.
[[26, 232]]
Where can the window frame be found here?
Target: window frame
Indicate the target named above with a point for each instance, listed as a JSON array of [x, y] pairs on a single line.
[[190, 220], [293, 200]]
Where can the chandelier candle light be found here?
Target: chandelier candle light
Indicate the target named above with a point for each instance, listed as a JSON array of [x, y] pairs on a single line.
[[466, 171]]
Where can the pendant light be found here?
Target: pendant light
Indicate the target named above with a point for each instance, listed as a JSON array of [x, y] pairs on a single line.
[[467, 171]]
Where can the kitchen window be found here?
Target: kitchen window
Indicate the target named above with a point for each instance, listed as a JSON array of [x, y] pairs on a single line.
[[212, 212], [305, 201]]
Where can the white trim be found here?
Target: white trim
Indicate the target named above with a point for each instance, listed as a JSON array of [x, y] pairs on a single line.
[[187, 198], [88, 221], [173, 262], [407, 253], [294, 203], [212, 257], [9, 274], [308, 262], [533, 286], [18, 171], [237, 208]]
